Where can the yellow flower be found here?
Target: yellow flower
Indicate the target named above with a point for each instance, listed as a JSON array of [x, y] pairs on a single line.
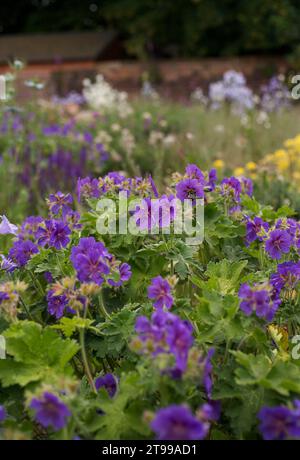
[[219, 164], [238, 172], [251, 166]]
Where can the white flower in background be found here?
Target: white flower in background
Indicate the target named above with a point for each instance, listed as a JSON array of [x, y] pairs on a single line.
[[103, 137], [219, 128], [198, 96], [127, 141], [101, 96], [155, 137], [169, 140]]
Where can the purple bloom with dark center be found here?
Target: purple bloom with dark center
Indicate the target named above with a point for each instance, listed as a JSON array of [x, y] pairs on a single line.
[[88, 188], [256, 229], [60, 202], [22, 251], [90, 260], [109, 382], [160, 291], [3, 296], [193, 172], [54, 233], [56, 304], [175, 423], [259, 300], [279, 242], [2, 414], [280, 422], [59, 237], [189, 189], [231, 187], [50, 411]]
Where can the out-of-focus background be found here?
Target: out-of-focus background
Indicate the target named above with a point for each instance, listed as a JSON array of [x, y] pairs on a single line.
[[146, 87], [179, 44]]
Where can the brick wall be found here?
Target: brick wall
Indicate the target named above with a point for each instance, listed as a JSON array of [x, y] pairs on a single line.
[[172, 78]]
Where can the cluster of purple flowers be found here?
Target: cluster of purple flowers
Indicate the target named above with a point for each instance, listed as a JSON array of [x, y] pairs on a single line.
[[233, 90], [50, 411], [21, 252], [259, 299], [53, 233], [275, 95], [286, 277], [93, 263], [166, 333], [280, 422], [278, 240]]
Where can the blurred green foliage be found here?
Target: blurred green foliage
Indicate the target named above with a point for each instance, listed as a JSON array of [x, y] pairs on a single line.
[[168, 27]]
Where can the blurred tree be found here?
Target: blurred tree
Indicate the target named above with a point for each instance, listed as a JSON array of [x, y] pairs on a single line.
[[168, 27]]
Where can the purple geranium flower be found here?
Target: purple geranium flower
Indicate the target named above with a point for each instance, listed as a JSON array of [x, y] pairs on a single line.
[[256, 229], [125, 275], [91, 260], [56, 304], [193, 172], [88, 188], [54, 233], [189, 189], [231, 187], [50, 411], [160, 291], [279, 242], [109, 382], [280, 422], [286, 277], [22, 251], [59, 237], [260, 300], [167, 334], [60, 202], [178, 423]]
